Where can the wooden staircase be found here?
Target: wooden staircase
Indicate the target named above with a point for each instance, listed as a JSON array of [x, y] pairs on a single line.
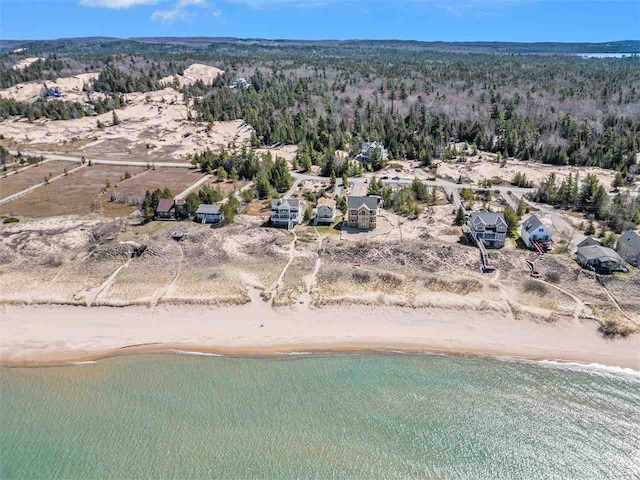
[[533, 258]]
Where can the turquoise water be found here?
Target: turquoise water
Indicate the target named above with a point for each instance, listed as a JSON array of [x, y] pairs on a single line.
[[354, 417]]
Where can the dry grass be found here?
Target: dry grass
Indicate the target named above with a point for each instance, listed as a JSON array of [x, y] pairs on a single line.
[[32, 176], [76, 194]]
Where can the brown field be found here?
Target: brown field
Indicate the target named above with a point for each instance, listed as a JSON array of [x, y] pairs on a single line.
[[225, 187], [77, 194], [32, 176], [131, 191]]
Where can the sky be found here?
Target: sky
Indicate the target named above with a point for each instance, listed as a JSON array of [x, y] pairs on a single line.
[[446, 20]]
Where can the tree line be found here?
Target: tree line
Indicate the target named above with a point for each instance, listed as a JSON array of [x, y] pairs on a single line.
[[618, 212], [270, 177]]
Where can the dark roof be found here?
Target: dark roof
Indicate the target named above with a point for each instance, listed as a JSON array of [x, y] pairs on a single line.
[[532, 223], [165, 205], [208, 209], [593, 252], [353, 203], [630, 238], [588, 241], [486, 217]]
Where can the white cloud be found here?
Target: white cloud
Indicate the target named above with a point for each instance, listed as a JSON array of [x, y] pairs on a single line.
[[116, 4], [182, 10]]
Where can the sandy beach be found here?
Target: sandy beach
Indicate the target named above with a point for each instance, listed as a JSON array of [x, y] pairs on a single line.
[[42, 335]]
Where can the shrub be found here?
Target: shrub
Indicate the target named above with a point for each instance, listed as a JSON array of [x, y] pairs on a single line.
[[613, 328], [552, 277], [11, 220], [531, 286], [360, 276]]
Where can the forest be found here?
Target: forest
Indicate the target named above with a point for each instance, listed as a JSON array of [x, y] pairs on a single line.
[[555, 109]]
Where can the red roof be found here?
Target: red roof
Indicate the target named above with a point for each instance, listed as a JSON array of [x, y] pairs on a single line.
[[165, 205]]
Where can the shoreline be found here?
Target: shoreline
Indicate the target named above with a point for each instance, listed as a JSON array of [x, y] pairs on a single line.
[[40, 336]]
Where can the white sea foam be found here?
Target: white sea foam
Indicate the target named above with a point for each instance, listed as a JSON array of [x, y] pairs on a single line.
[[293, 353], [88, 362], [596, 368], [589, 367], [196, 354]]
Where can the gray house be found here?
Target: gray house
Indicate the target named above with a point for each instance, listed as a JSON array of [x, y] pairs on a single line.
[[628, 247], [489, 227], [600, 259], [370, 149], [285, 213], [589, 240], [325, 211], [209, 213]]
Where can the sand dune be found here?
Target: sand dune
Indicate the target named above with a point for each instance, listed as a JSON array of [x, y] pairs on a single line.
[[193, 73], [25, 62], [71, 86], [154, 122]]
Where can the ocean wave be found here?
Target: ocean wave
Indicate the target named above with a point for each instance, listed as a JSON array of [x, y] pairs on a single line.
[[196, 354], [593, 368], [293, 353], [88, 362], [590, 367]]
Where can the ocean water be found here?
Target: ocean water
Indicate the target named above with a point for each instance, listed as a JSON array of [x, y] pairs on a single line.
[[325, 417]]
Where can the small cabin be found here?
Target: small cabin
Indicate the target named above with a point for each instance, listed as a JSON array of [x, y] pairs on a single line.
[[600, 259]]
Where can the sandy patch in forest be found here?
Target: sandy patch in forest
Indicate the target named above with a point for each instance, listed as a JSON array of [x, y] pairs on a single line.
[[71, 86], [153, 125], [25, 62], [193, 73], [288, 152], [484, 166]]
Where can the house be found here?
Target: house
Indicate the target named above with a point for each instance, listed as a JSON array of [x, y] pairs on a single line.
[[363, 212], [209, 213], [166, 209], [533, 230], [628, 247], [589, 240], [599, 258], [285, 212], [180, 204], [55, 92], [240, 83], [489, 227], [325, 211], [369, 149]]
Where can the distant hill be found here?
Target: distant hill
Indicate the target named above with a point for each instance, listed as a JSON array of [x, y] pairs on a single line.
[[622, 46]]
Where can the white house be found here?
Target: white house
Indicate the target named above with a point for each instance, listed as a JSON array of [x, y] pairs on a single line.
[[240, 83], [209, 213], [285, 212], [489, 227], [533, 230], [325, 211]]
